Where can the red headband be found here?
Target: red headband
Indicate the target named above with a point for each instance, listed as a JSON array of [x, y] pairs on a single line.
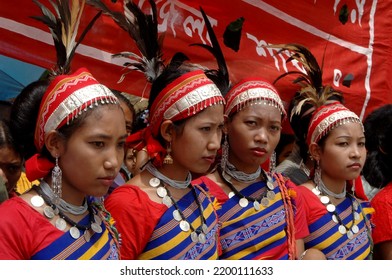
[[252, 91], [326, 118], [67, 97], [186, 96]]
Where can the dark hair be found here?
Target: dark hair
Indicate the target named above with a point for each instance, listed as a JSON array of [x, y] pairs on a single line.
[[378, 132], [6, 139], [284, 140], [24, 113], [122, 98]]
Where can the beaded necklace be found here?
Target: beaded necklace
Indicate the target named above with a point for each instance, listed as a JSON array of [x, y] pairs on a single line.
[[51, 210], [264, 199], [197, 235]]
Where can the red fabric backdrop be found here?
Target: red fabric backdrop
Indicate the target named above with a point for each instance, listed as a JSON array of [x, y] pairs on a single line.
[[361, 46]]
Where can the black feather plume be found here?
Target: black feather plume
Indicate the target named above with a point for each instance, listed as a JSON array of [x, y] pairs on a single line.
[[143, 29], [220, 76], [64, 26]]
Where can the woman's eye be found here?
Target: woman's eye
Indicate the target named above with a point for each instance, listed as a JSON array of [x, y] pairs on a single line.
[[98, 144]]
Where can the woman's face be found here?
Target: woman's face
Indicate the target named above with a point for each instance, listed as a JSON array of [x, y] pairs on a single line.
[[253, 134], [195, 147], [11, 163], [93, 155], [344, 153]]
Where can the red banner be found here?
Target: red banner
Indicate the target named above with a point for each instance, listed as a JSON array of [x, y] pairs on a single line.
[[356, 44]]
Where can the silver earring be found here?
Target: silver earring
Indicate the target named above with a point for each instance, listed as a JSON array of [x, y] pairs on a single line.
[[56, 181], [317, 174], [272, 163], [225, 152]]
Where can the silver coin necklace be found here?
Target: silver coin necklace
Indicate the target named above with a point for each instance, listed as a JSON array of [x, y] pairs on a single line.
[[76, 230], [197, 235], [263, 200], [331, 208]]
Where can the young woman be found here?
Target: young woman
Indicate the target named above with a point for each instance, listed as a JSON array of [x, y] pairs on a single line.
[[159, 214], [79, 135], [378, 172], [258, 214], [338, 221]]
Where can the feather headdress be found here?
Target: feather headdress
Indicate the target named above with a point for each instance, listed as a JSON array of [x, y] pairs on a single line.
[[143, 29], [219, 76], [312, 89], [63, 26]]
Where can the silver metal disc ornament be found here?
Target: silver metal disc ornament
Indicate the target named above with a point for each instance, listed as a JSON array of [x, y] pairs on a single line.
[[162, 192], [96, 228], [74, 232], [243, 202], [356, 216], [316, 191], [61, 224], [202, 238], [231, 194], [184, 225], [154, 182], [335, 219], [256, 205], [331, 208], [342, 229], [271, 195], [355, 229], [350, 234], [356, 205], [48, 212], [176, 215], [324, 199], [194, 237], [167, 201], [264, 201], [37, 201], [97, 219]]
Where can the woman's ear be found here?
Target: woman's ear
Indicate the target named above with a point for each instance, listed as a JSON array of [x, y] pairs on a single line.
[[315, 151], [167, 130], [55, 143]]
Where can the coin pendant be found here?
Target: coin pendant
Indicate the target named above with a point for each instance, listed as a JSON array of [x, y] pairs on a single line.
[[243, 202], [161, 191], [96, 228], [331, 208], [270, 185], [324, 199], [37, 201], [74, 232], [61, 224], [194, 237], [87, 236], [48, 212], [97, 219], [176, 215], [350, 235], [231, 194], [335, 219], [316, 191], [202, 238], [167, 201], [204, 228], [154, 182], [355, 205], [355, 229], [184, 225], [356, 216], [342, 229], [264, 202], [256, 205], [271, 195]]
